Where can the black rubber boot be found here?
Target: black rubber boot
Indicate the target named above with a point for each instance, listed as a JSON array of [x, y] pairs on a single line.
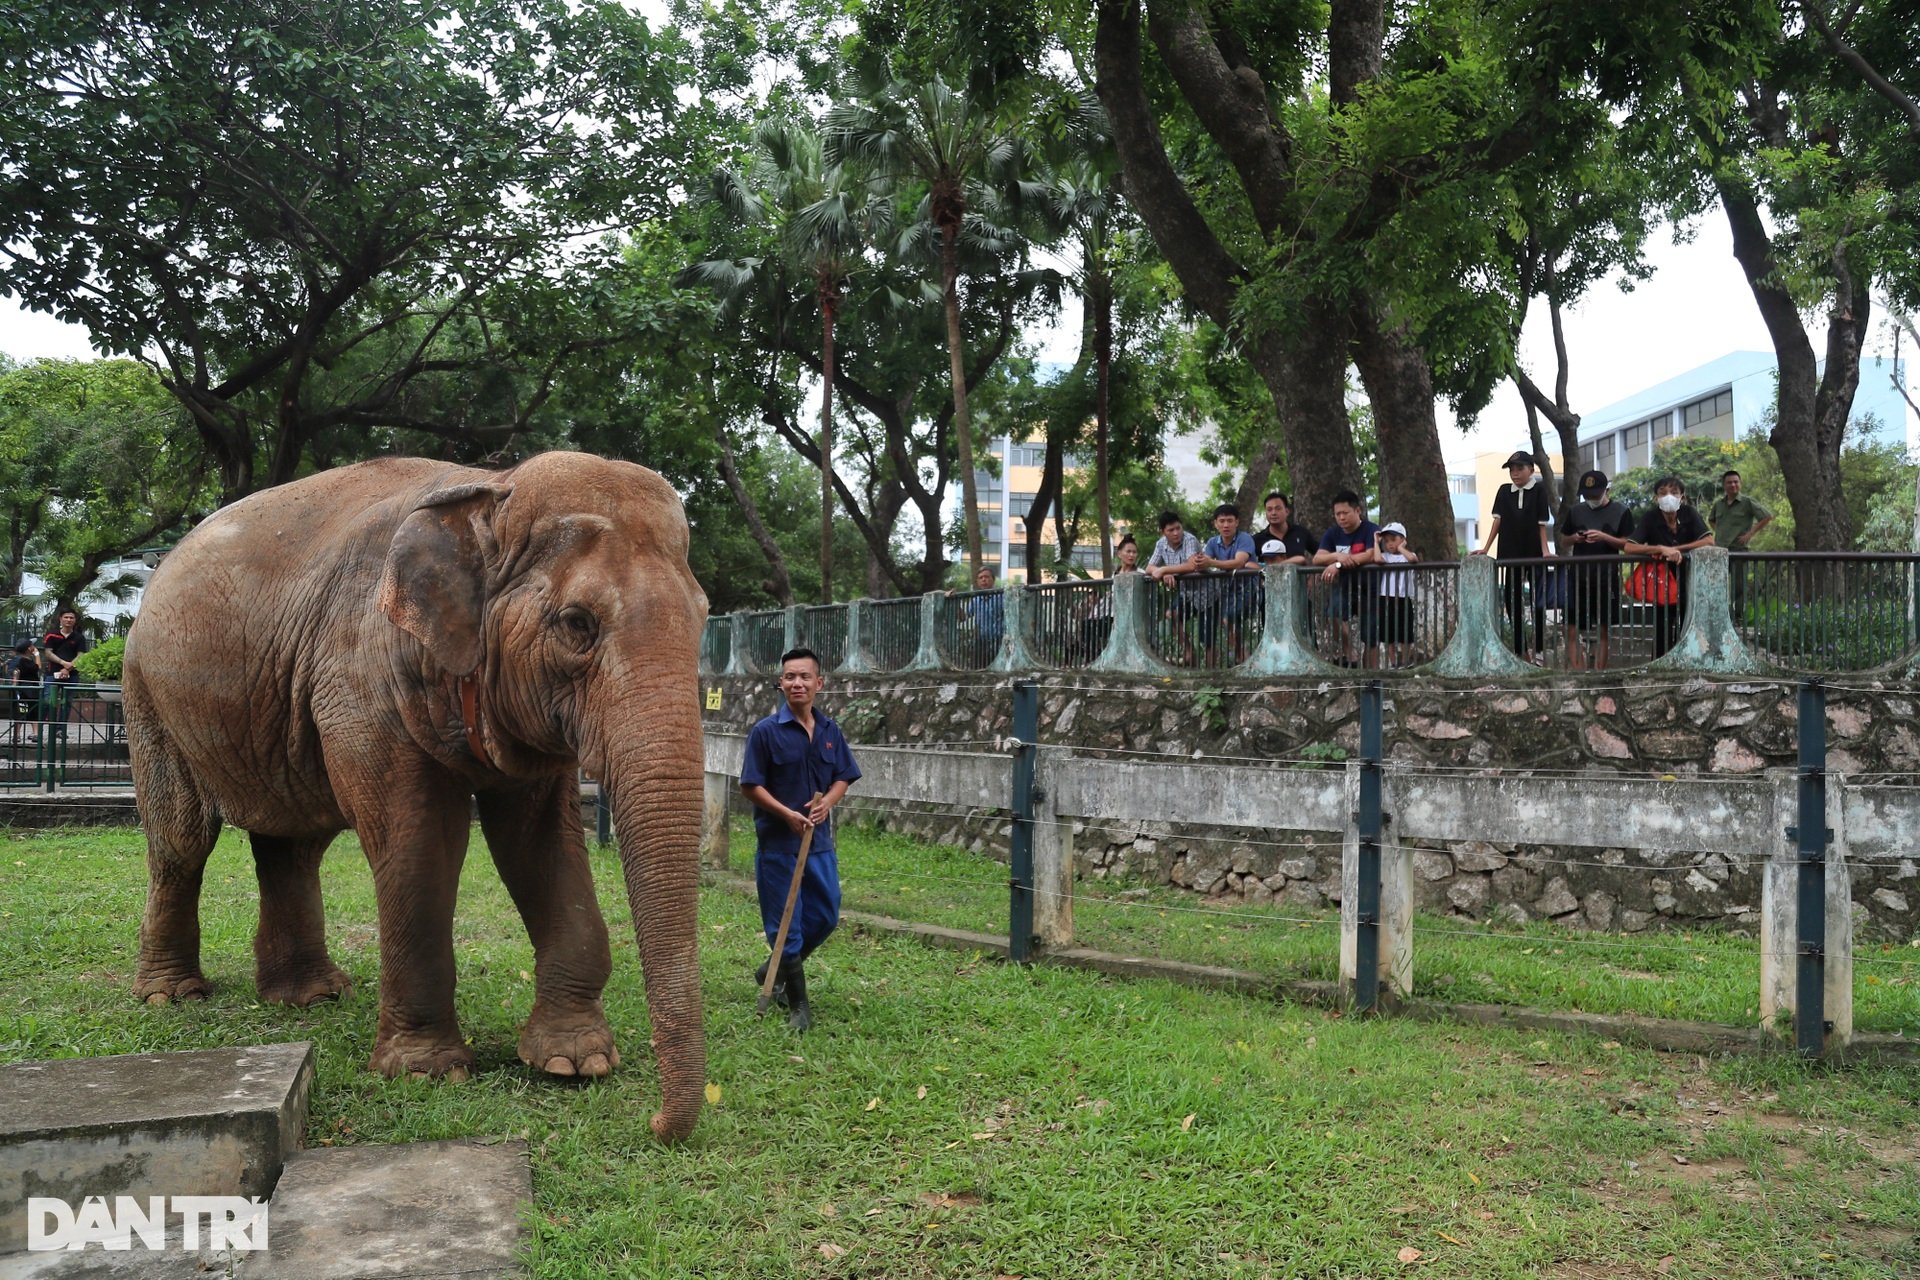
[[779, 983], [800, 1015]]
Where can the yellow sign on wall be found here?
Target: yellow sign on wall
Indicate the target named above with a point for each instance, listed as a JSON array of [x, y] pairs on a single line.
[[713, 697]]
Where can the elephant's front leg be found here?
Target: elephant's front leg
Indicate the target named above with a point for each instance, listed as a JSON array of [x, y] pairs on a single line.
[[415, 834], [534, 833]]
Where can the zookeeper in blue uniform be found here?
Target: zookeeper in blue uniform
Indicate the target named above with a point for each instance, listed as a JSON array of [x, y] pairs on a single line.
[[790, 755]]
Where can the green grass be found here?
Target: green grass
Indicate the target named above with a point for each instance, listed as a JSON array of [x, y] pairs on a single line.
[[952, 1116], [1700, 975]]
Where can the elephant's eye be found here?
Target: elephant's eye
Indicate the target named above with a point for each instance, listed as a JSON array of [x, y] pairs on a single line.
[[579, 626]]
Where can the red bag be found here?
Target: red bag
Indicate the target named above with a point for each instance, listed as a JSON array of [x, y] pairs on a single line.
[[1654, 582]]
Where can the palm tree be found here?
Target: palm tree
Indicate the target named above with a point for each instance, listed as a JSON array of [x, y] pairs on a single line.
[[953, 147], [820, 221]]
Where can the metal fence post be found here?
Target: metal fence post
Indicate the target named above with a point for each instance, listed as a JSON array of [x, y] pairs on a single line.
[[1026, 729], [1366, 977], [1810, 986]]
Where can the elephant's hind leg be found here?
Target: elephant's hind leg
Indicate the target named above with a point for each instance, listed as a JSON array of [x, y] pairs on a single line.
[[181, 826], [535, 837], [290, 960]]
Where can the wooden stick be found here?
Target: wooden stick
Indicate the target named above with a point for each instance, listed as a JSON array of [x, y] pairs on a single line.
[[786, 915]]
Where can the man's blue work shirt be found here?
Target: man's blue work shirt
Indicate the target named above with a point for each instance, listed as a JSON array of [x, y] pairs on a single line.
[[782, 759]]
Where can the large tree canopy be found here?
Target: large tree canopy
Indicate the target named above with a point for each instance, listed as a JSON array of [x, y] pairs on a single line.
[[253, 195]]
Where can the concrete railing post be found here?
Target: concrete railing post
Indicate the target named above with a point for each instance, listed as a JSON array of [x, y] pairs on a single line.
[[855, 663], [1780, 920], [1127, 649], [927, 657], [1707, 640], [739, 663], [791, 638], [714, 836], [1396, 902], [1052, 861], [1016, 651], [1476, 648], [1284, 650]]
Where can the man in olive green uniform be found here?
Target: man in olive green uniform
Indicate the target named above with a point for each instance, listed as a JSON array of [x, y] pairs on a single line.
[[1735, 518]]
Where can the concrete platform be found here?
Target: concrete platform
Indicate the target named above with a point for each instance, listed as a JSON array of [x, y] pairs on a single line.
[[397, 1213], [214, 1122]]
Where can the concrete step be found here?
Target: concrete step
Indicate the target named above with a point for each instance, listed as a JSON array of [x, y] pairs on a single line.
[[408, 1212], [212, 1122]]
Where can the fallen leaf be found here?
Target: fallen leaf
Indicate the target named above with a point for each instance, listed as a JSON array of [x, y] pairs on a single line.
[[1611, 1044], [1664, 1264], [1474, 1178], [1681, 1160], [832, 1250], [1451, 1239], [1409, 1254], [1188, 1122], [921, 1092], [828, 1211], [713, 1095], [873, 1104], [1486, 1215], [525, 976], [874, 1213], [794, 1057], [983, 1137]]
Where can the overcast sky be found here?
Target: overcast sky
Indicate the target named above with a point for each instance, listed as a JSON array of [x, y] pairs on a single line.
[[1694, 309]]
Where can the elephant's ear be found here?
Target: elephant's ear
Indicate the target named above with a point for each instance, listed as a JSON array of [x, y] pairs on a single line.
[[435, 583]]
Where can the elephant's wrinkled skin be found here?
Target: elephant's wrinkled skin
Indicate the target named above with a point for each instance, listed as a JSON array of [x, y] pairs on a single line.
[[373, 646]]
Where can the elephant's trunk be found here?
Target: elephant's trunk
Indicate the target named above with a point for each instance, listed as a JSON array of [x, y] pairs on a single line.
[[656, 796]]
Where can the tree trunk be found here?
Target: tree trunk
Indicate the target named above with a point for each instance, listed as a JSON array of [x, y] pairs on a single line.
[[1307, 378], [827, 306], [1047, 498], [779, 584], [956, 359], [1413, 475], [1811, 414], [1102, 289]]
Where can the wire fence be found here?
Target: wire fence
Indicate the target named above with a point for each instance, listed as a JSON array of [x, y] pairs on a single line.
[[57, 736], [823, 629]]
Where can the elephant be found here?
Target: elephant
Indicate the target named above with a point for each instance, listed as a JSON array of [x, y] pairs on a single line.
[[388, 647]]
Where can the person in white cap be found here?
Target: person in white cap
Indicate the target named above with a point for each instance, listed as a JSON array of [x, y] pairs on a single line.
[[1387, 627]]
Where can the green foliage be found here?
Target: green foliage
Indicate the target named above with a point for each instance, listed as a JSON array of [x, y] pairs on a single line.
[[1323, 753], [101, 664], [250, 195], [1699, 461], [1210, 702]]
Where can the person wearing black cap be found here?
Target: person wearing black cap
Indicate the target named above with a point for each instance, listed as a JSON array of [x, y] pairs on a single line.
[[1520, 526], [1596, 526]]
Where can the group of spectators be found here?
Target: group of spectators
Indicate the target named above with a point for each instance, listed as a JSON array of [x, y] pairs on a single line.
[[38, 674], [1589, 596], [1372, 616], [1214, 590]]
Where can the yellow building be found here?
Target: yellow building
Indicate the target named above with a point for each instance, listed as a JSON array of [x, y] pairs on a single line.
[[1004, 501]]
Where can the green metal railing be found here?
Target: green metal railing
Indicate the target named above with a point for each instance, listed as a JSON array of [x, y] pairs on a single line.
[[823, 629], [971, 626], [765, 639], [1069, 622], [1382, 617], [1814, 611], [716, 644], [1207, 620], [890, 633], [63, 736]]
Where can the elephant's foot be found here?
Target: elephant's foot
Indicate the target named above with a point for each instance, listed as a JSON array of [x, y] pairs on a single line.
[[576, 1044], [163, 986], [303, 988], [422, 1058]]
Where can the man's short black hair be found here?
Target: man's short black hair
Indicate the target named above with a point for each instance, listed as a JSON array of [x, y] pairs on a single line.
[[803, 652], [1277, 494], [1226, 509], [1725, 474], [25, 646], [1672, 482], [1349, 497], [1170, 517]]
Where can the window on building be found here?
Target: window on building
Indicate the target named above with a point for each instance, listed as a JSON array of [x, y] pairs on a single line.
[[1029, 455], [1639, 448], [1021, 503], [1590, 455], [1663, 426], [1461, 485], [1017, 556]]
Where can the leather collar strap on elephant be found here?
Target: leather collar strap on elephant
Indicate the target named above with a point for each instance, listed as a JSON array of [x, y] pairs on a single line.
[[386, 646]]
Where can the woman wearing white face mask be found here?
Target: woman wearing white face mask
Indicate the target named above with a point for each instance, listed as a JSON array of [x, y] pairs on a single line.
[[1665, 535]]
